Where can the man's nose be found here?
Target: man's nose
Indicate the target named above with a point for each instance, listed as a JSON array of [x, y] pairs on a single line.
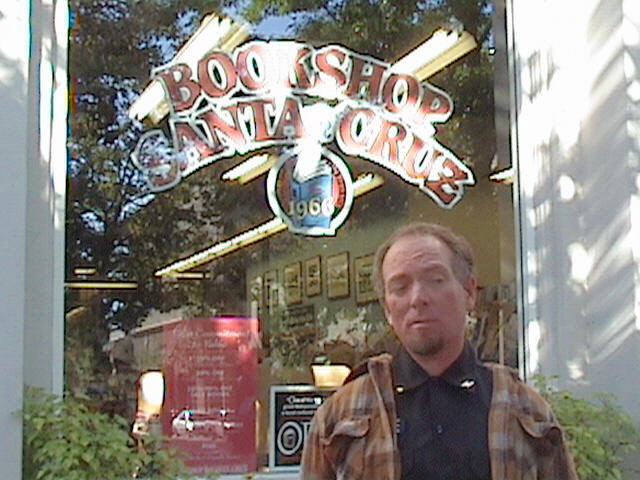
[[419, 294]]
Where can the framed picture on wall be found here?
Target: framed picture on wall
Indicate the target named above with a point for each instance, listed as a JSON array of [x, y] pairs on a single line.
[[338, 275], [363, 271], [312, 277], [292, 283]]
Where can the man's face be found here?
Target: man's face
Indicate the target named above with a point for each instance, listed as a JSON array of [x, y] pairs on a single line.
[[424, 302]]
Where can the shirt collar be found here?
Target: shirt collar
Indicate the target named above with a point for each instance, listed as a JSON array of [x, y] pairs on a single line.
[[463, 372]]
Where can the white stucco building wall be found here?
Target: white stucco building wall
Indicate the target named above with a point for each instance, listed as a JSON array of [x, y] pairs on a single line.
[[576, 137], [14, 63], [576, 131], [32, 95]]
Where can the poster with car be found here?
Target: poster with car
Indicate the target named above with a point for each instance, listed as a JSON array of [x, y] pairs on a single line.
[[291, 410], [210, 368]]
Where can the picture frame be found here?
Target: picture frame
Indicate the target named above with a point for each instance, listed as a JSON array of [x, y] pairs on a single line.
[[300, 317], [312, 276], [363, 273], [290, 406], [292, 283], [338, 275]]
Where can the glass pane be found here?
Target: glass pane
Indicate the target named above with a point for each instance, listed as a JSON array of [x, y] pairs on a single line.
[[233, 168]]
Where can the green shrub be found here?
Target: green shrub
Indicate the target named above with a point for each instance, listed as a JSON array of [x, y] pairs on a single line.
[[65, 440], [599, 432]]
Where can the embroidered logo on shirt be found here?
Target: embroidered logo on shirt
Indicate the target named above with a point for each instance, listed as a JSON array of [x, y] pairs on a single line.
[[468, 384]]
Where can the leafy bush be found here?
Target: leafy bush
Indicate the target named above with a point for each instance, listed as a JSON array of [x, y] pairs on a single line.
[[599, 432], [65, 440]]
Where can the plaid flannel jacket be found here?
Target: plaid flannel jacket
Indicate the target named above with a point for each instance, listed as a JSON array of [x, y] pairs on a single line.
[[353, 435]]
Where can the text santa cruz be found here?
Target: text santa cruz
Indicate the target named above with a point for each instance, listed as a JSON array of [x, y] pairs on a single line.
[[289, 93]]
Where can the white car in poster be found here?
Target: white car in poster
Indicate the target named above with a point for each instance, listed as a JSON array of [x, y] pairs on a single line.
[[197, 424]]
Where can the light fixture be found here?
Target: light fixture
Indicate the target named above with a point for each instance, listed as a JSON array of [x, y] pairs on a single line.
[[441, 49], [150, 398], [188, 275], [366, 182], [363, 184], [244, 239], [84, 271], [102, 285], [213, 32], [504, 176], [329, 376], [151, 393], [250, 169]]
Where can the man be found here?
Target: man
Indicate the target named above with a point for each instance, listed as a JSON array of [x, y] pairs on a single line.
[[432, 411]]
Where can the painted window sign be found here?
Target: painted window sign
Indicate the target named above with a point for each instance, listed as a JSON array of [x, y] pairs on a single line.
[[312, 195], [302, 98]]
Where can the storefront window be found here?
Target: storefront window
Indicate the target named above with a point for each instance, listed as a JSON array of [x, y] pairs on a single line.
[[233, 168]]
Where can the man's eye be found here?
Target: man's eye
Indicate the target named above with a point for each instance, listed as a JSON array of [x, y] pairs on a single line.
[[436, 279], [398, 288]]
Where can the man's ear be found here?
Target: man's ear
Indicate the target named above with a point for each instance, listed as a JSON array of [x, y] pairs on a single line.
[[471, 288], [387, 315]]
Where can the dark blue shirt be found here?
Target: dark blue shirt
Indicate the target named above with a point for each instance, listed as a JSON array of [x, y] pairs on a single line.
[[443, 421]]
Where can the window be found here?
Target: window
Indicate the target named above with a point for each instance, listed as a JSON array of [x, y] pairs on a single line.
[[224, 205]]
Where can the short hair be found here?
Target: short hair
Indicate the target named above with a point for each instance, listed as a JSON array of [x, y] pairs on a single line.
[[463, 263]]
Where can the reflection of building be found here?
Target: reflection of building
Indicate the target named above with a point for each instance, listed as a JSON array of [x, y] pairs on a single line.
[[569, 101]]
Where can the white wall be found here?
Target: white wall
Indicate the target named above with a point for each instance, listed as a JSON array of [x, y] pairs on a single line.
[[577, 135], [31, 208], [45, 195], [13, 180]]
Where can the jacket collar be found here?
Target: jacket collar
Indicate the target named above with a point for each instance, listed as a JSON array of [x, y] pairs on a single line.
[[463, 372]]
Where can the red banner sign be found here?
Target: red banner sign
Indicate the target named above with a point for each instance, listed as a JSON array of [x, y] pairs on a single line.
[[210, 368]]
